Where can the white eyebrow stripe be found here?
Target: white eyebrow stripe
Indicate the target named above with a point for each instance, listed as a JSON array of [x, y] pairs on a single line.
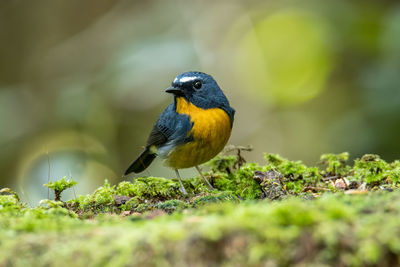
[[186, 79], [176, 79]]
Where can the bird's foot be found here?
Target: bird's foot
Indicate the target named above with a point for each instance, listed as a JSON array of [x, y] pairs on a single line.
[[183, 190], [209, 186]]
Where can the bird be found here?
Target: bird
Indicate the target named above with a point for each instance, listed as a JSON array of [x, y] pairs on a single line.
[[193, 129]]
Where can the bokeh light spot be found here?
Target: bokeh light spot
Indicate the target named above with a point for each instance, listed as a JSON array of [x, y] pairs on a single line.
[[284, 58], [73, 154]]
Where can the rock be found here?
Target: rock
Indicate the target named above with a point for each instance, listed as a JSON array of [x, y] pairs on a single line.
[[342, 183], [119, 200]]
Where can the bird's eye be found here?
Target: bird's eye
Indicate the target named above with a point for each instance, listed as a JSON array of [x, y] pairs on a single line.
[[197, 85]]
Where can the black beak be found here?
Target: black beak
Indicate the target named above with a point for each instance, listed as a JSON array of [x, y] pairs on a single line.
[[174, 90]]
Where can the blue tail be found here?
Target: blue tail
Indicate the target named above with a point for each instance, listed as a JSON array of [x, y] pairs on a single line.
[[142, 162]]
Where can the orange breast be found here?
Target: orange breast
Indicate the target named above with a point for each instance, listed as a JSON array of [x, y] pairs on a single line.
[[210, 132]]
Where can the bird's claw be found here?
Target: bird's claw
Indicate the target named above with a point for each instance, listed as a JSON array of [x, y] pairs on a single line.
[[183, 190]]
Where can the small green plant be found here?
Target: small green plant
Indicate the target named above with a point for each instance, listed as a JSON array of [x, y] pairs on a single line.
[[59, 186], [297, 177], [223, 163], [8, 191], [335, 164], [371, 168]]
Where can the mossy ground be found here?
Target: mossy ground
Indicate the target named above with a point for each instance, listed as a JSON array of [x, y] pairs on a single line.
[[281, 213]]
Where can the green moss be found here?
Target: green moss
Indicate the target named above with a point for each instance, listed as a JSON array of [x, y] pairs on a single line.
[[331, 230], [9, 203], [290, 169], [371, 168], [125, 189], [103, 195], [223, 163], [8, 191], [278, 179], [335, 164], [15, 216], [245, 185], [154, 187], [149, 188], [59, 186], [172, 205], [102, 200], [214, 198], [225, 226], [131, 204], [312, 175], [296, 175], [223, 181], [142, 207], [394, 175], [194, 185]]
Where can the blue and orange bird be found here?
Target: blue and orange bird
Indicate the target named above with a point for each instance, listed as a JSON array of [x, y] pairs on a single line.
[[191, 130]]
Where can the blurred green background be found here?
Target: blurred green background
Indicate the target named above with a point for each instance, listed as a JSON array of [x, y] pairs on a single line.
[[82, 82]]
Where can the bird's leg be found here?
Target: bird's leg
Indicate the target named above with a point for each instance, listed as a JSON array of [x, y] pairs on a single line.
[[182, 189], [209, 186]]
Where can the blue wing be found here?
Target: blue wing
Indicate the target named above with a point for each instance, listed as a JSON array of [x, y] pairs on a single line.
[[170, 130]]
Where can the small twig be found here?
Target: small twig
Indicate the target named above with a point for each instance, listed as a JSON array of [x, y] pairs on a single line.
[[57, 195], [240, 159], [230, 148], [330, 178]]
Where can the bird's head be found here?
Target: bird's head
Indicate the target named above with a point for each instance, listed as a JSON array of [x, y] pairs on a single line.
[[199, 89]]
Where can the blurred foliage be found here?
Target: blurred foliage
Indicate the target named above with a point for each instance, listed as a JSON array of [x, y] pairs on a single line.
[[335, 163], [287, 57], [81, 83]]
